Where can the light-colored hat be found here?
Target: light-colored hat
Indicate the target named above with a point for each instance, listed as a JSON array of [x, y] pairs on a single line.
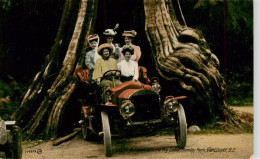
[[127, 48], [131, 33], [111, 32], [93, 37], [103, 46]]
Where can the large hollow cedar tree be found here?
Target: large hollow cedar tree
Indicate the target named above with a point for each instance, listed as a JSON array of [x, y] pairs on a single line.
[[179, 54]]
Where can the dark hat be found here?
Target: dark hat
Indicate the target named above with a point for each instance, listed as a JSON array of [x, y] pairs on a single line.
[[127, 48], [103, 46], [131, 33]]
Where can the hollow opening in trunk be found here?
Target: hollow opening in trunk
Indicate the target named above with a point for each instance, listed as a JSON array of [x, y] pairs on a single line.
[[129, 14]]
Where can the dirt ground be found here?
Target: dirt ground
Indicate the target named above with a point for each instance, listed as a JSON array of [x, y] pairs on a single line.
[[148, 147], [153, 147], [247, 109]]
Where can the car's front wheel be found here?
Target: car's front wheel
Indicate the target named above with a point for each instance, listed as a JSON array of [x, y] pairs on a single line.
[[180, 127], [106, 134]]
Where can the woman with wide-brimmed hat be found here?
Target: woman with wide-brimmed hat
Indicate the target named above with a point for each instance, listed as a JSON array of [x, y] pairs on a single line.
[[105, 64], [128, 37], [128, 68]]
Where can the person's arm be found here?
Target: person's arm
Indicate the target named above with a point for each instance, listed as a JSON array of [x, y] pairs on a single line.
[[135, 78], [137, 53], [88, 62]]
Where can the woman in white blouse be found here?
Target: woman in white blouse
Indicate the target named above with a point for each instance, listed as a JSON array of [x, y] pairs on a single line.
[[128, 67]]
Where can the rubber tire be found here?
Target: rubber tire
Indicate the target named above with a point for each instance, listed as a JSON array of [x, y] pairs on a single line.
[[181, 128], [106, 134]]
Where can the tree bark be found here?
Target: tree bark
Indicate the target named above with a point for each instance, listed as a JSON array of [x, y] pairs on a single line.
[[183, 58], [53, 93]]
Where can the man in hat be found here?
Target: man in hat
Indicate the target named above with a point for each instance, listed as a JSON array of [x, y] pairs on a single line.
[[128, 67], [92, 55], [105, 64], [129, 36], [110, 34]]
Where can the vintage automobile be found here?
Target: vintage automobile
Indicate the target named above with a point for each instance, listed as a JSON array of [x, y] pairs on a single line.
[[131, 104], [10, 140]]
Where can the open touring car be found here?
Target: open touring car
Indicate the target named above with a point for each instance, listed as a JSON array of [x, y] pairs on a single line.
[[130, 104]]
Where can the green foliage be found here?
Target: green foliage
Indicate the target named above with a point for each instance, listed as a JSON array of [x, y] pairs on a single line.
[[240, 16], [10, 97], [5, 89], [227, 25], [239, 25], [237, 15], [240, 86], [5, 104], [5, 5]]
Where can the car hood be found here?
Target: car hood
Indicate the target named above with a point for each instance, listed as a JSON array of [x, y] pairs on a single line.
[[129, 93]]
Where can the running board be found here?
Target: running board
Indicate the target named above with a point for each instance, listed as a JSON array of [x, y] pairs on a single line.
[[154, 121]]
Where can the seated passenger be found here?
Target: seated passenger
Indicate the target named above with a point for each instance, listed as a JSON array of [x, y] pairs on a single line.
[[103, 65], [128, 67], [92, 55], [110, 34], [129, 36]]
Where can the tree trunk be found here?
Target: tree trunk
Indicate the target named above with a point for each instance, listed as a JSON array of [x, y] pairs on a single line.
[[47, 96], [182, 57]]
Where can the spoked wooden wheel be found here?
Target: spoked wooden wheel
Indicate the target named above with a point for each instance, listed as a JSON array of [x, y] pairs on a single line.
[[180, 128], [106, 134]]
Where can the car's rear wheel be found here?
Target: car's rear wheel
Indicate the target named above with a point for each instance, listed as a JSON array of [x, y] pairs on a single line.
[[106, 134], [180, 128]]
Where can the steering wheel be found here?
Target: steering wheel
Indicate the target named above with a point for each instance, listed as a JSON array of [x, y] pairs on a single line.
[[112, 73]]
